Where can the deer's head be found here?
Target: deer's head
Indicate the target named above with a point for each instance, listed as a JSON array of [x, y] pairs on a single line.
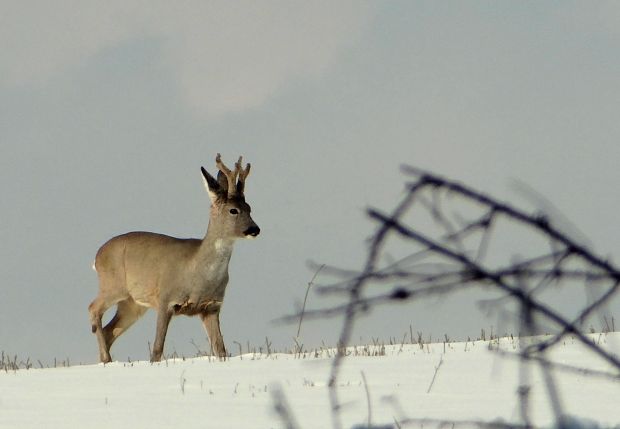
[[230, 214]]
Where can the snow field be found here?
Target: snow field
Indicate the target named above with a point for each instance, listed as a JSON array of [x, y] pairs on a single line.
[[472, 383]]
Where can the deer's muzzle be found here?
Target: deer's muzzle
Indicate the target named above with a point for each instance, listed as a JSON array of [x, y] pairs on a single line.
[[252, 231]]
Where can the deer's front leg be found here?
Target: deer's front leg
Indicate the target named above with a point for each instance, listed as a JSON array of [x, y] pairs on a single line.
[[163, 320], [211, 321]]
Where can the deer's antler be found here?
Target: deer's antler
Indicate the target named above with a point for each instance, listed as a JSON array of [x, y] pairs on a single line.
[[231, 175], [243, 174]]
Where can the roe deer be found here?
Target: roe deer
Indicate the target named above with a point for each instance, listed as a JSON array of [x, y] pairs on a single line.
[[174, 276]]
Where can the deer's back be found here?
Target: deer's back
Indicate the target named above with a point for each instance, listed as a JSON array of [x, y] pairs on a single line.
[[144, 248], [139, 262]]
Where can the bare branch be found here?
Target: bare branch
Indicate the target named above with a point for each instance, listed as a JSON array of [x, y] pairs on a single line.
[[454, 257]]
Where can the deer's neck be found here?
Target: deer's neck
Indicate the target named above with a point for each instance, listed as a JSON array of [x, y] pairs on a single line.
[[215, 251]]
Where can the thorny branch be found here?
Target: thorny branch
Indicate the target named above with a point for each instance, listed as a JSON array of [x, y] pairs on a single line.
[[458, 256]]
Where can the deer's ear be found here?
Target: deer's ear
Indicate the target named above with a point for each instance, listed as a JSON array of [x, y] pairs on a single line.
[[213, 186], [222, 180]]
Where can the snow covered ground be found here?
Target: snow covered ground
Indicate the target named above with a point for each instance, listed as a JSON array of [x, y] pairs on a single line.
[[472, 383]]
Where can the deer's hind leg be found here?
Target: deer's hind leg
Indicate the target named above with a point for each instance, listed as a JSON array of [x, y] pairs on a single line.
[[127, 313], [96, 309], [107, 298]]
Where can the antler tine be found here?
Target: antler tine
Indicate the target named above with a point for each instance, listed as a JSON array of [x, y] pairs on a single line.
[[231, 176], [243, 174], [220, 165]]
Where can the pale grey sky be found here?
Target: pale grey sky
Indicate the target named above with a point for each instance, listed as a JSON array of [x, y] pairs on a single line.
[[108, 110]]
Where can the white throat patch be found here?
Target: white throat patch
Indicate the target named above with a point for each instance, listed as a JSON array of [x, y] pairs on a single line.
[[219, 244]]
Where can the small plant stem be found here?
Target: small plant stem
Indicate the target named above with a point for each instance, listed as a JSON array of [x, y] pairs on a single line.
[[367, 399], [303, 307], [430, 386]]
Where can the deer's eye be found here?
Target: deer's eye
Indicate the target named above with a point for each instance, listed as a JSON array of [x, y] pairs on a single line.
[[234, 211]]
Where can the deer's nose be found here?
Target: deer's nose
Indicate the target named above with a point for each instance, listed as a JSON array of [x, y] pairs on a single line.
[[252, 231]]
